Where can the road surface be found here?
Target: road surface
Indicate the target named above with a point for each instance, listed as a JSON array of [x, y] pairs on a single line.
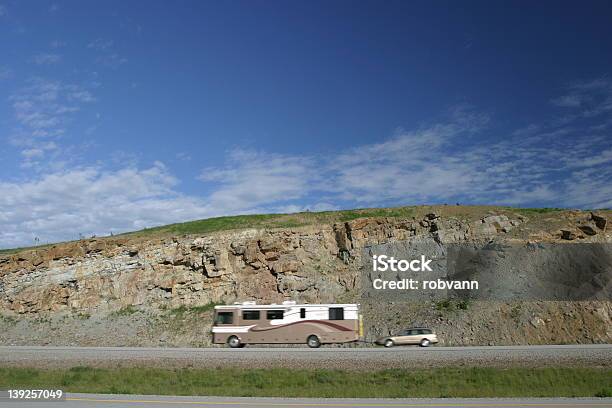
[[135, 401], [341, 358]]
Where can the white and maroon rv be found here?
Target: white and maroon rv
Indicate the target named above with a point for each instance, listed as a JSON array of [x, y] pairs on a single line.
[[287, 323]]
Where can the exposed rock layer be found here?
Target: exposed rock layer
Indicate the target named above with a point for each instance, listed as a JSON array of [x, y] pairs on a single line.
[[100, 278]]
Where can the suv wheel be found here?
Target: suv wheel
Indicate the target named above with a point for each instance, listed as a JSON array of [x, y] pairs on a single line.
[[389, 343], [425, 343], [233, 342], [313, 341]]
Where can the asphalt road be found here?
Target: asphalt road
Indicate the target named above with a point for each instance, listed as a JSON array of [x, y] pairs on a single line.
[[347, 358], [134, 401]]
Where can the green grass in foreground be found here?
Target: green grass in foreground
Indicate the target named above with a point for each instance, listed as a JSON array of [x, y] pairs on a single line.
[[439, 382]]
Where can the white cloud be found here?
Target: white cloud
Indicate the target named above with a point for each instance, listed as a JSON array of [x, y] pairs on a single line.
[[46, 59], [593, 97], [112, 60], [413, 165], [183, 157], [100, 44], [527, 131], [44, 103], [43, 111], [561, 163], [106, 54], [35, 152], [409, 167], [590, 188], [80, 95], [253, 179], [541, 164], [89, 201], [32, 153], [568, 101]]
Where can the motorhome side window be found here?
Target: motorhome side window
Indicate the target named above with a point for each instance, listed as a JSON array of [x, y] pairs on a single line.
[[224, 318], [250, 315], [302, 313], [336, 313], [274, 314]]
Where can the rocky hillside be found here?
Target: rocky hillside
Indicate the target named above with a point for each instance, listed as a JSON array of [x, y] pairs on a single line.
[[157, 288]]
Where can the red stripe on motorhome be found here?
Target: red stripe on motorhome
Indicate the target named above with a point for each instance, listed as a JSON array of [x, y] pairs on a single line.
[[334, 325]]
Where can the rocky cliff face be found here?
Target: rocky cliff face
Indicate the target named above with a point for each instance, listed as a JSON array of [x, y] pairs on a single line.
[[79, 292]]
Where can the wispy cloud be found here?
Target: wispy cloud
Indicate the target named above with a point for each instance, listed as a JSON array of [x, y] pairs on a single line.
[[42, 111], [592, 97], [100, 44], [545, 164], [566, 163], [46, 59], [568, 101], [112, 60], [75, 93], [91, 201], [271, 179], [106, 54]]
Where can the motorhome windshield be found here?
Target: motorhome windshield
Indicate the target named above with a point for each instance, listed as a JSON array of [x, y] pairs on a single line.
[[224, 318]]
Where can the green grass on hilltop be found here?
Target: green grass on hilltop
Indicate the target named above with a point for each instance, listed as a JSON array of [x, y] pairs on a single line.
[[15, 250], [391, 383], [252, 221], [271, 221], [529, 211], [306, 218]]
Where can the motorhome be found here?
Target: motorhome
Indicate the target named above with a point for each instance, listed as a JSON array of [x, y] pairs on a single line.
[[288, 323]]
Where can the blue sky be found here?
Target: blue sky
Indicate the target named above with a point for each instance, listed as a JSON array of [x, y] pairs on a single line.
[[116, 116]]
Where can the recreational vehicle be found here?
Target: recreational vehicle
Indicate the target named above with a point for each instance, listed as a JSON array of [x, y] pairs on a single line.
[[287, 323]]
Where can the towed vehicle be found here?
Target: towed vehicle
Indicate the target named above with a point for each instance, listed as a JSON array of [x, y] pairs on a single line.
[[423, 336]]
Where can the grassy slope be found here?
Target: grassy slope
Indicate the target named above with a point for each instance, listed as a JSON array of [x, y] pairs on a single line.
[[393, 383], [273, 221], [254, 221], [302, 219]]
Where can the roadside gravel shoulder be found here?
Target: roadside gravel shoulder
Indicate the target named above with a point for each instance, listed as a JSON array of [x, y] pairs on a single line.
[[341, 358]]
